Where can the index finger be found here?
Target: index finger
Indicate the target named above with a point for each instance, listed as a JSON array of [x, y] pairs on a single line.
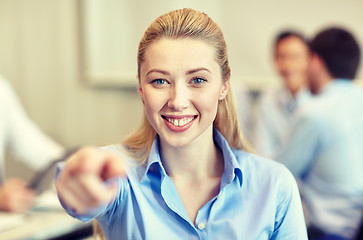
[[95, 161], [114, 166]]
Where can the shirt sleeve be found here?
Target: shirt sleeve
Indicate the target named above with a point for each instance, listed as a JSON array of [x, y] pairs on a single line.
[[289, 220], [23, 138], [301, 145]]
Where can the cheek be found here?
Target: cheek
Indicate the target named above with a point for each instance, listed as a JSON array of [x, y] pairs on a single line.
[[207, 103], [152, 103], [303, 66]]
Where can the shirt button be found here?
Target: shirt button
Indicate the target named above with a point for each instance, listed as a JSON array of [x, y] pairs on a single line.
[[201, 226]]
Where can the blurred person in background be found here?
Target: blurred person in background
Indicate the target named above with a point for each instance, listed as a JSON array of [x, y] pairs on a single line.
[[324, 149], [276, 106], [27, 143]]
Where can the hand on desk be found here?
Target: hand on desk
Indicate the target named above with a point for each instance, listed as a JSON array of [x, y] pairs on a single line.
[[15, 196], [80, 185]]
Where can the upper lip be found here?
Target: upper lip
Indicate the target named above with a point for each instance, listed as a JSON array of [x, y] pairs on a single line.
[[179, 116]]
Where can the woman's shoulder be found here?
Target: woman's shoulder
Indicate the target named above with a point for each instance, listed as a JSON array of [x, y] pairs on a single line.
[[267, 176], [258, 168], [269, 181]]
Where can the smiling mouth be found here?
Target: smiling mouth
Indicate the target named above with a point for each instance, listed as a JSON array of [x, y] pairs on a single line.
[[179, 122]]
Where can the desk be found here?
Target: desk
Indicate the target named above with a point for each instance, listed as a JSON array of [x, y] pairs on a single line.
[[43, 222], [44, 225]]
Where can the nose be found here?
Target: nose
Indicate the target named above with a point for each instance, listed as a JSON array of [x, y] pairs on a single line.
[[179, 97]]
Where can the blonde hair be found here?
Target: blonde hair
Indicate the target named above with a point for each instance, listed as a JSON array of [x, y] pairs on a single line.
[[189, 23]]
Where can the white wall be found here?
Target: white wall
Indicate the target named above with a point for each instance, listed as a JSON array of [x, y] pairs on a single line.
[[40, 54]]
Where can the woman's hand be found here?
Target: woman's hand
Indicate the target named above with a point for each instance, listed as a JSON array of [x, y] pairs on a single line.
[[15, 196], [80, 184]]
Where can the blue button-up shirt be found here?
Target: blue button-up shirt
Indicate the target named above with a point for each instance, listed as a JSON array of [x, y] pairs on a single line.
[[258, 199], [325, 152]]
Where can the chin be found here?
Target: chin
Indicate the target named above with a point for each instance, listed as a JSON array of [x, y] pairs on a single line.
[[176, 139]]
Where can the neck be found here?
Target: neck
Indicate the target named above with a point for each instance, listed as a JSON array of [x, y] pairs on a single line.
[[197, 161], [324, 80]]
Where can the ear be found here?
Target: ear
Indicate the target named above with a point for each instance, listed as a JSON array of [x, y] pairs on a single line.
[[141, 94], [224, 90], [317, 61]]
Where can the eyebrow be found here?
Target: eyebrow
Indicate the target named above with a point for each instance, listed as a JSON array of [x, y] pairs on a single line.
[[198, 70], [157, 71], [168, 73]]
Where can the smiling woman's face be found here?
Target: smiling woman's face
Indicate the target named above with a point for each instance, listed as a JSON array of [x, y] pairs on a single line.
[[180, 85]]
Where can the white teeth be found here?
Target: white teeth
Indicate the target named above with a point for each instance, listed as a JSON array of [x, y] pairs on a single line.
[[179, 122]]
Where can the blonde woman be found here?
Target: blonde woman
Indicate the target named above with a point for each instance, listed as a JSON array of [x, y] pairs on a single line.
[[187, 172]]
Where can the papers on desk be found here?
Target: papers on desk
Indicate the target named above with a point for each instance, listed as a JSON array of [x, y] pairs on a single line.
[[10, 220], [45, 220], [47, 201]]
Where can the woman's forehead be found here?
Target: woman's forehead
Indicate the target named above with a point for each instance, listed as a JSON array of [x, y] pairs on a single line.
[[180, 52], [185, 44]]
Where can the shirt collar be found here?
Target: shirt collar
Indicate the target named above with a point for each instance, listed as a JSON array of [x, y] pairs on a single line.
[[153, 164], [232, 170]]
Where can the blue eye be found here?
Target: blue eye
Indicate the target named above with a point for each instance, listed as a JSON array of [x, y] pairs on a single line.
[[158, 82], [198, 80]]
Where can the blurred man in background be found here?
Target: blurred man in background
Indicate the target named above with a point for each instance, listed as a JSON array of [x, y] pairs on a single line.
[[324, 149], [26, 142], [276, 107]]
